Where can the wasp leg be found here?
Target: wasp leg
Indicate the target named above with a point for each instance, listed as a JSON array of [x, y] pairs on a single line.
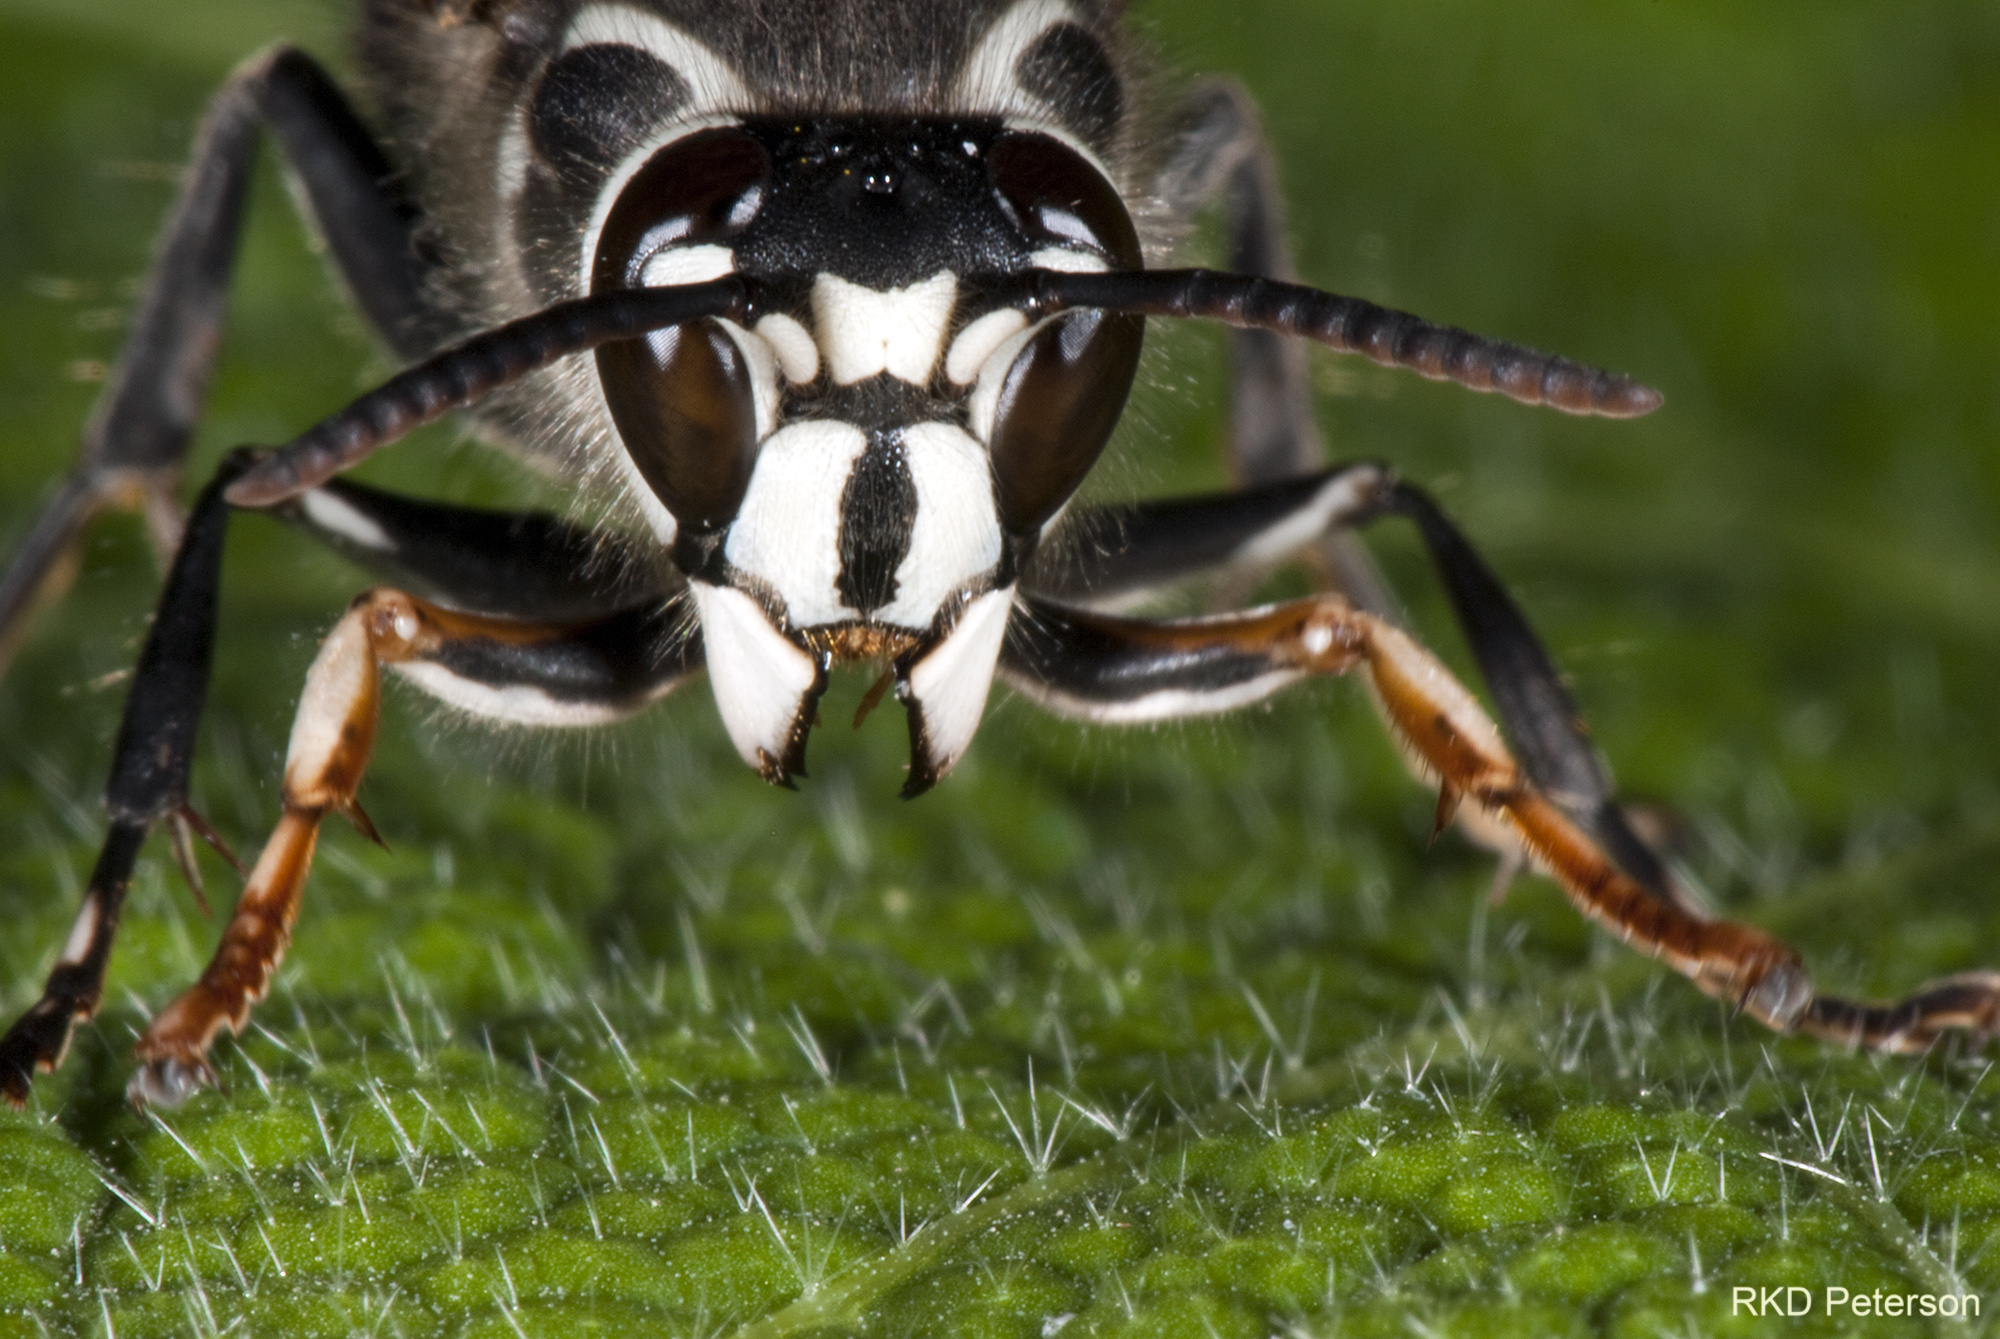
[[1104, 668], [501, 669], [1542, 718], [1119, 553], [138, 433], [1107, 555], [602, 662], [1221, 154], [149, 776], [1100, 667], [528, 565]]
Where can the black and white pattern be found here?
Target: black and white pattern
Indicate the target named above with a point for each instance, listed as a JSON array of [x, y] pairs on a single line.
[[877, 388], [843, 301]]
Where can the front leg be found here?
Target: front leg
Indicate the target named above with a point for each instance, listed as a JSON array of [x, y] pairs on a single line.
[[589, 634], [499, 668], [1112, 554], [1104, 668]]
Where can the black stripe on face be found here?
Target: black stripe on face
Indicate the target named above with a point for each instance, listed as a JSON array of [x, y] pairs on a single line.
[[878, 510], [597, 103], [1067, 69]]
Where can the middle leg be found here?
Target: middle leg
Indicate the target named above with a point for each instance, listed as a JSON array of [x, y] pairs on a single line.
[[1221, 157]]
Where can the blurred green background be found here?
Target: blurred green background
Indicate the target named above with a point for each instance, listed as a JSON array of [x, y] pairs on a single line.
[[1175, 1032]]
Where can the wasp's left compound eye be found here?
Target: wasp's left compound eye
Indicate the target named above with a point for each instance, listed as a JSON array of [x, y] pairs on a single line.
[[682, 397]]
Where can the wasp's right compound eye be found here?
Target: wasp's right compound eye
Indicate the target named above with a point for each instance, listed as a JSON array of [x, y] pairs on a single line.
[[682, 397], [1065, 390]]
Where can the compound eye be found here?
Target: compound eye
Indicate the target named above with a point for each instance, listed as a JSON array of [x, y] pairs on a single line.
[[685, 409], [1059, 199], [682, 398], [1060, 400], [704, 188]]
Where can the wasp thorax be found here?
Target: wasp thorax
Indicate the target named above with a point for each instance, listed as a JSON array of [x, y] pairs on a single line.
[[682, 397]]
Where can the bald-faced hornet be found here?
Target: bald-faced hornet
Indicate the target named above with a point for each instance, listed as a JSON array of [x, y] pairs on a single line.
[[842, 305]]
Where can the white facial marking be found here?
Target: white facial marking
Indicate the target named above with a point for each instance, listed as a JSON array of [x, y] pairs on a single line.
[[1068, 261], [1343, 496], [615, 184], [760, 679], [985, 399], [1317, 639], [338, 516], [951, 683], [712, 85], [712, 88], [518, 704], [955, 535], [687, 265], [987, 84], [798, 356], [80, 935], [787, 532], [762, 365], [864, 332], [976, 343]]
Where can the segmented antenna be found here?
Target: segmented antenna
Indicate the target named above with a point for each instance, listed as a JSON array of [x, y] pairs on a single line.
[[471, 370], [468, 371], [1351, 325]]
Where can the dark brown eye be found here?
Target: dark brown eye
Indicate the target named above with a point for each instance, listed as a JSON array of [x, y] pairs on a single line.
[[700, 189], [1059, 199], [1057, 407], [682, 398], [683, 404], [1064, 393]]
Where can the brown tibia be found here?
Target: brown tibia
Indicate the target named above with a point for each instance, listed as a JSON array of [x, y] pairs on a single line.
[[1733, 962], [332, 737], [1450, 734]]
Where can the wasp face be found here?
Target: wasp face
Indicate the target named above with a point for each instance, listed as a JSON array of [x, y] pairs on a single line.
[[864, 469]]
